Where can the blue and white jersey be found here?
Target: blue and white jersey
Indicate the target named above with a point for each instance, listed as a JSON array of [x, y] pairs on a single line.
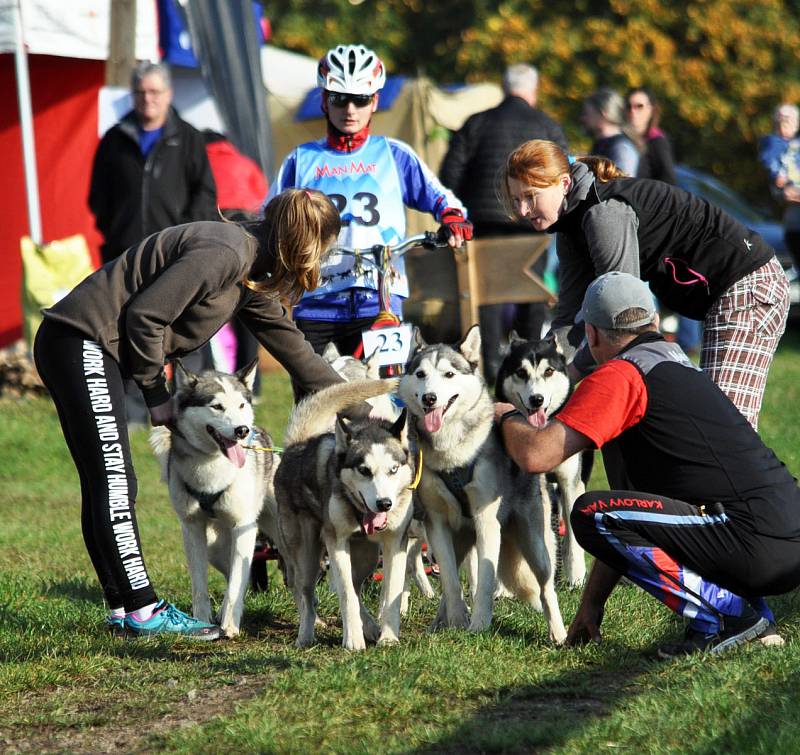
[[370, 187]]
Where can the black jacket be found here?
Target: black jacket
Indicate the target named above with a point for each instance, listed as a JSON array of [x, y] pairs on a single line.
[[690, 251], [478, 151], [692, 444], [132, 197]]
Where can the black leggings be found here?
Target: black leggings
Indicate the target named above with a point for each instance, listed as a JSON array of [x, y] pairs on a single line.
[[88, 390], [698, 564]]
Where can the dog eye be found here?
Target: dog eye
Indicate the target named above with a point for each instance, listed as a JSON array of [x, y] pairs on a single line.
[[548, 372], [420, 374], [394, 469], [364, 471], [522, 375], [241, 406], [218, 407], [449, 374]]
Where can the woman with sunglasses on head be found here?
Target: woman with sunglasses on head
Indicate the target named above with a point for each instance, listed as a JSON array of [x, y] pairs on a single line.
[[644, 114], [162, 299], [699, 261], [371, 180]]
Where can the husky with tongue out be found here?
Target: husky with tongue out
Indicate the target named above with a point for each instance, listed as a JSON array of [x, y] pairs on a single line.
[[533, 377], [346, 485], [473, 494], [221, 490]]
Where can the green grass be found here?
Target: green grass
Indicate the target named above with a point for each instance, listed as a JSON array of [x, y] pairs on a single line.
[[65, 686]]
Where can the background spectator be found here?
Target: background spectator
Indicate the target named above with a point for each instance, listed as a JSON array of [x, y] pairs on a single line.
[[150, 172], [644, 115], [603, 116], [471, 167], [779, 152]]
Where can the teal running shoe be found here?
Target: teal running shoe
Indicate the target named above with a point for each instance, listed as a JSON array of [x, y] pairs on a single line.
[[115, 625], [167, 620]]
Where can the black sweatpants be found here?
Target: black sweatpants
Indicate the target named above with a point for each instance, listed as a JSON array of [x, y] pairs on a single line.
[[89, 394], [699, 565]]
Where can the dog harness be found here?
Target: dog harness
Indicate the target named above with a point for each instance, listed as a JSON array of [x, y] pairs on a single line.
[[455, 480]]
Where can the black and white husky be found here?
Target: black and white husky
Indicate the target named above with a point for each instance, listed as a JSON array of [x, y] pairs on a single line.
[[351, 368], [349, 490], [221, 490], [473, 494], [533, 377]]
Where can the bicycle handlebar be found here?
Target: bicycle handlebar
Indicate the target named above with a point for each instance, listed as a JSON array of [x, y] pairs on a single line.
[[427, 239]]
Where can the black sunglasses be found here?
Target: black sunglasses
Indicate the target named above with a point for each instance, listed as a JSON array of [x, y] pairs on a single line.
[[340, 99]]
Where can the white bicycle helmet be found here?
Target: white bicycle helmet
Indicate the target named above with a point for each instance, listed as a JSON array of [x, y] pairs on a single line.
[[351, 69]]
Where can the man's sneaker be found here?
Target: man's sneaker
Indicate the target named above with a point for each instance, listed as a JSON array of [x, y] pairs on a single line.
[[166, 620], [737, 631], [115, 625], [770, 637]]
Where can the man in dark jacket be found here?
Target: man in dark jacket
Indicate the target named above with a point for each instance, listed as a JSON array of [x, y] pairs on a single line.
[[471, 168], [151, 170]]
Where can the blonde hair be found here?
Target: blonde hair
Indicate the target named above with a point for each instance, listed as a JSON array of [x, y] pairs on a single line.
[[298, 227], [541, 163]]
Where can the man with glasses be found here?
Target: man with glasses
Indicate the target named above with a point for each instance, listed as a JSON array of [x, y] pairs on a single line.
[[371, 180], [150, 170]]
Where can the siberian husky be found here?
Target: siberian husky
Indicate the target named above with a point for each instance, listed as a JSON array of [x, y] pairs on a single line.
[[533, 377], [222, 491], [351, 368], [349, 490], [473, 493]]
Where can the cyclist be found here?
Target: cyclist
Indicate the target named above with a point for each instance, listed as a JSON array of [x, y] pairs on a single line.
[[370, 179]]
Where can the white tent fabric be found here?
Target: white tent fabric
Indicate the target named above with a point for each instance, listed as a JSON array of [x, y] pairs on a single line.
[[74, 29]]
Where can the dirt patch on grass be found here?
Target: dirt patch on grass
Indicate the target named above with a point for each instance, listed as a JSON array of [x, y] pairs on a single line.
[[132, 731]]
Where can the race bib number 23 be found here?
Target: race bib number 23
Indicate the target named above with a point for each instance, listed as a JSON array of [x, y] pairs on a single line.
[[392, 344]]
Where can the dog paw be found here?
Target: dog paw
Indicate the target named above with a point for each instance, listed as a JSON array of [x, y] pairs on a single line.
[[388, 638], [458, 618], [558, 638], [479, 623], [304, 642], [229, 632], [354, 643], [371, 630]]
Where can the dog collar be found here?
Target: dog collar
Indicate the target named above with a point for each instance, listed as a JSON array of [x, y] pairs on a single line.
[[418, 476]]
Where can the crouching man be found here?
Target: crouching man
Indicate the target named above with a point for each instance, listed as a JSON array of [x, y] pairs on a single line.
[[702, 515]]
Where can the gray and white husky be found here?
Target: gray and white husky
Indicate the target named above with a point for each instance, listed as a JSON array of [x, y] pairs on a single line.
[[349, 490], [533, 377], [221, 491], [473, 493], [351, 368]]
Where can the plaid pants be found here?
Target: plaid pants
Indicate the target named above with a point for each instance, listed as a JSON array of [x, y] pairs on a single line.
[[741, 334]]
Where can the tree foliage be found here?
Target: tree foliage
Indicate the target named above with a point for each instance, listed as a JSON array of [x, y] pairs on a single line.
[[718, 66]]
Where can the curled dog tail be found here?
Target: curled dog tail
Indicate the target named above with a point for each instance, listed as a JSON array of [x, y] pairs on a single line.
[[161, 442], [316, 414]]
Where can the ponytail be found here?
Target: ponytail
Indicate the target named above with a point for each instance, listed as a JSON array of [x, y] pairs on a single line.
[[604, 170], [298, 227]]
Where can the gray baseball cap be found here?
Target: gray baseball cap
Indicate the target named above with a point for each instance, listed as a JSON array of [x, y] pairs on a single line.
[[610, 295]]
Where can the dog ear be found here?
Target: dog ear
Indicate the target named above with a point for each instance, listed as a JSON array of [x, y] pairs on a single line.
[[182, 376], [373, 367], [551, 338], [513, 337], [343, 433], [470, 345], [247, 375], [331, 352], [399, 427], [417, 341]]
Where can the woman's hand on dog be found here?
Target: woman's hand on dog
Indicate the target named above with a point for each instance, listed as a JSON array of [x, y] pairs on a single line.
[[161, 414]]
